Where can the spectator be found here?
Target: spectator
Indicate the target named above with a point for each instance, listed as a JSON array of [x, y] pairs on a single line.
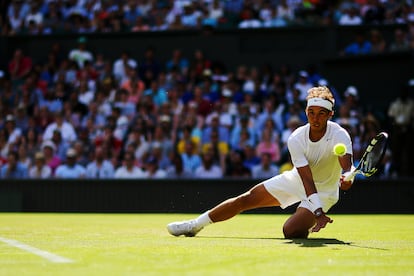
[[176, 170], [16, 13], [149, 67], [400, 41], [39, 168], [137, 138], [303, 85], [270, 111], [222, 131], [238, 129], [53, 19], [24, 158], [360, 46], [373, 12], [350, 16], [100, 167], [177, 61], [250, 157], [378, 42], [268, 145], [34, 15], [186, 136], [293, 123], [157, 152], [275, 20], [249, 20], [220, 149], [108, 139], [265, 169], [191, 158], [140, 25], [66, 128], [131, 13], [80, 54], [236, 167], [401, 113], [20, 66], [129, 170], [121, 66], [12, 132], [351, 100], [4, 147], [152, 169], [31, 139], [51, 159], [158, 94], [286, 10], [61, 146], [13, 169], [70, 169], [209, 167], [190, 16]]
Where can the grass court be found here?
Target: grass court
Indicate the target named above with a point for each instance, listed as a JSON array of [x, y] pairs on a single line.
[[249, 244]]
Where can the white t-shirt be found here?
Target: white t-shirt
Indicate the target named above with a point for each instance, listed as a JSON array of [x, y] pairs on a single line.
[[326, 170], [80, 56], [122, 172], [214, 172]]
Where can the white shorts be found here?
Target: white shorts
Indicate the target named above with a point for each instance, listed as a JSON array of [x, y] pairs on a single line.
[[288, 189]]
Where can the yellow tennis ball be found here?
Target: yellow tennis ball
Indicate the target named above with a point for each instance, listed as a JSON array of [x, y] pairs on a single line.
[[339, 149]]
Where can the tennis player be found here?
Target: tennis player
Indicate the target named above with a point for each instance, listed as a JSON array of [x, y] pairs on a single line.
[[314, 181]]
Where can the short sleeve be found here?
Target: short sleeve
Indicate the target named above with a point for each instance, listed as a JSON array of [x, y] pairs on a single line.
[[297, 152]]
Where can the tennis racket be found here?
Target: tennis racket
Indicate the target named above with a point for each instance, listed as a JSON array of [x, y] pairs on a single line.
[[368, 165]]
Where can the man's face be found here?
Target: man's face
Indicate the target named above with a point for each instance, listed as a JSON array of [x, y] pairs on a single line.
[[318, 117]]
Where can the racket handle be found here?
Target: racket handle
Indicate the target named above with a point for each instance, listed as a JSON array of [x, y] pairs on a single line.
[[349, 176]]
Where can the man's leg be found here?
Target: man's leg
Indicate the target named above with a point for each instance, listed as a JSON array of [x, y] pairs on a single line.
[[256, 197], [298, 225]]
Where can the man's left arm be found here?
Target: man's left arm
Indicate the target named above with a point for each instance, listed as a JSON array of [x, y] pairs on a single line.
[[346, 165]]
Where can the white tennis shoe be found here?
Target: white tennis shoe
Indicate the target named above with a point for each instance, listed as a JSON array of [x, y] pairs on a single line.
[[187, 228]]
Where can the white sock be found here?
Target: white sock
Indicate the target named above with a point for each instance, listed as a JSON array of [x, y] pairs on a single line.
[[203, 220]]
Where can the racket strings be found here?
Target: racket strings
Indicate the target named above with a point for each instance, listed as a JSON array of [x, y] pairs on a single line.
[[373, 155]]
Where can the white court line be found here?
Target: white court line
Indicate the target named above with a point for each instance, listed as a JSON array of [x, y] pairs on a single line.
[[44, 254]]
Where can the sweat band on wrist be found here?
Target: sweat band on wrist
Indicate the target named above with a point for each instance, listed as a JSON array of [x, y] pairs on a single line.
[[314, 202], [350, 172]]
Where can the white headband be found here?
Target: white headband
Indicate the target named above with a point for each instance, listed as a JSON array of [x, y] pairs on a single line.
[[320, 102]]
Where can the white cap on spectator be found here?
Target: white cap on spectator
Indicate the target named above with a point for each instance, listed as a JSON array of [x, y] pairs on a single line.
[[303, 74], [227, 92], [49, 144], [351, 91], [322, 82], [71, 152], [10, 118]]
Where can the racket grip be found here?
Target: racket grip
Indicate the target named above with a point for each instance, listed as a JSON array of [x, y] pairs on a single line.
[[349, 176]]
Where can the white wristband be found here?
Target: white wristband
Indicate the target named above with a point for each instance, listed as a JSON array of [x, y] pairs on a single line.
[[314, 202], [350, 172]]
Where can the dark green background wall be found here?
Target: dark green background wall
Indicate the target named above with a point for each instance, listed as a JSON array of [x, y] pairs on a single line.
[[181, 196]]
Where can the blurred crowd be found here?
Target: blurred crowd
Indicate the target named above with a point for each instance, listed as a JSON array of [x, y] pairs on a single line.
[[80, 114], [37, 17]]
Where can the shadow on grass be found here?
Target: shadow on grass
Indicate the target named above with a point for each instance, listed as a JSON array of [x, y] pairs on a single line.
[[316, 242], [320, 242], [312, 242]]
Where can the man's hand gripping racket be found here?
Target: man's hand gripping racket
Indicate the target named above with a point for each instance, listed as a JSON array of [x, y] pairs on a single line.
[[368, 165]]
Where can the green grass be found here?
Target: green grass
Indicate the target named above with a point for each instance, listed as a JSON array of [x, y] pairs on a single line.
[[138, 244]]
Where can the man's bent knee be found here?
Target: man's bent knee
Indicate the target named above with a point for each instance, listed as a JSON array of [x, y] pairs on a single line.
[[290, 233]]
